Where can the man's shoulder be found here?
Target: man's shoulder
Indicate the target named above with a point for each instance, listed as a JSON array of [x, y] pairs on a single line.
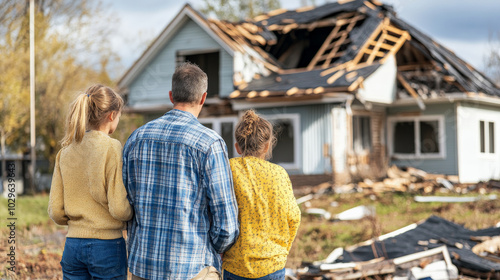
[[175, 128]]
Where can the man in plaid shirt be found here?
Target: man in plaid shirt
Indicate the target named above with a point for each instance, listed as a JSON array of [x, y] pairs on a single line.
[[179, 182]]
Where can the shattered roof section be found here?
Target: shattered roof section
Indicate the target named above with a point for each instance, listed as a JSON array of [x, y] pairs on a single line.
[[435, 232], [336, 46]]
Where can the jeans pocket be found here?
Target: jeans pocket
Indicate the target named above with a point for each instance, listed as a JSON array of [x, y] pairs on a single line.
[[108, 259]]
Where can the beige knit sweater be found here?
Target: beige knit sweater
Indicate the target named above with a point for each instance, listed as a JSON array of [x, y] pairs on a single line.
[[87, 191]]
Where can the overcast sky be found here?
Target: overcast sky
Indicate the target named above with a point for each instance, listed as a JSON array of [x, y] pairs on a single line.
[[464, 26]]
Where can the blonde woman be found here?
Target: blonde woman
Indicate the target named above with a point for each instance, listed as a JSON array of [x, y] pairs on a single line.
[[87, 192], [268, 213]]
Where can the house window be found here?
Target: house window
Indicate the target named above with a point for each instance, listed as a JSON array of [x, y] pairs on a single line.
[[417, 137], [487, 137], [361, 134], [208, 61], [286, 150], [225, 128]]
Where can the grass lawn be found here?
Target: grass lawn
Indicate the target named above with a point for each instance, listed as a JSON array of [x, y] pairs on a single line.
[[316, 238], [29, 210]]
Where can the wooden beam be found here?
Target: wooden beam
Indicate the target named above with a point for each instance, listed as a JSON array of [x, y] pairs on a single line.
[[375, 51], [409, 67], [370, 5], [399, 44], [323, 47], [252, 94], [372, 37], [382, 45], [355, 84], [392, 38], [350, 76], [334, 69], [276, 12], [305, 9], [335, 76], [395, 30], [372, 52], [342, 39], [235, 94], [412, 92], [292, 91]]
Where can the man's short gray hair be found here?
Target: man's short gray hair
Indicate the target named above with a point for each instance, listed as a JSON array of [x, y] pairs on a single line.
[[189, 83]]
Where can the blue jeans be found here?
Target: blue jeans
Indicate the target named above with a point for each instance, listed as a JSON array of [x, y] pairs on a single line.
[[85, 258], [278, 275]]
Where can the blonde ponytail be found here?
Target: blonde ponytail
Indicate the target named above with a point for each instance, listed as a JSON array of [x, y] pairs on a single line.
[[89, 111], [76, 123]]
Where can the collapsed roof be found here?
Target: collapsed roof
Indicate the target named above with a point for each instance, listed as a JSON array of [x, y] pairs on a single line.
[[424, 236], [335, 47]]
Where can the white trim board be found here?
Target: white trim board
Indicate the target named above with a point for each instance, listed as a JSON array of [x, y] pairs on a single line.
[[295, 118]]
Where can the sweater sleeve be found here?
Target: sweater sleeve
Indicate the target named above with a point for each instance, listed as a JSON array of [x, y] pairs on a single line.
[[293, 214], [119, 206], [56, 197]]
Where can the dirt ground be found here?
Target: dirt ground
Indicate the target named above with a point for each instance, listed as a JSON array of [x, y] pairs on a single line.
[[38, 253]]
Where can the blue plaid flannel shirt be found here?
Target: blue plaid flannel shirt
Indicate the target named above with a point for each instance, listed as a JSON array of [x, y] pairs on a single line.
[[179, 182]]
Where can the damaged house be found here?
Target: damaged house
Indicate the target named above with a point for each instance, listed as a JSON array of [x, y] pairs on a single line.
[[351, 87]]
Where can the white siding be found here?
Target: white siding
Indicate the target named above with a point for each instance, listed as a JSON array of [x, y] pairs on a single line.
[[473, 165], [380, 87]]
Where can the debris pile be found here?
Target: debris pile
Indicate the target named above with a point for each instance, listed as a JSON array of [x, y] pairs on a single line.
[[432, 249], [408, 180]]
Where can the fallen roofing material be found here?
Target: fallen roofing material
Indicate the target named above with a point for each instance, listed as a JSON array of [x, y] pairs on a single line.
[[416, 245]]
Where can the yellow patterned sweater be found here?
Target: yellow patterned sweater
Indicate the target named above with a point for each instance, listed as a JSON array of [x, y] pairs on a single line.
[[87, 191], [269, 218]]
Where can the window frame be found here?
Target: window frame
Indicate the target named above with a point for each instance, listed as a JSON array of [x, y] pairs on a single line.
[[356, 127], [391, 122], [295, 121], [217, 127], [180, 57], [487, 137]]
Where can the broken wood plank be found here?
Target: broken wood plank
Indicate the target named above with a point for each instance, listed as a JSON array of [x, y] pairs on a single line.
[[344, 1], [292, 91], [351, 76], [393, 29], [235, 94], [260, 18], [252, 94], [412, 92], [290, 27], [376, 48], [264, 93], [323, 47], [335, 76], [399, 44], [372, 37], [355, 84], [370, 5], [439, 250], [335, 68], [305, 9], [318, 90], [371, 52], [276, 12]]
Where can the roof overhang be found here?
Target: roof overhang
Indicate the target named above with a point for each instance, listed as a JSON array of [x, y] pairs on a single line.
[[186, 13]]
